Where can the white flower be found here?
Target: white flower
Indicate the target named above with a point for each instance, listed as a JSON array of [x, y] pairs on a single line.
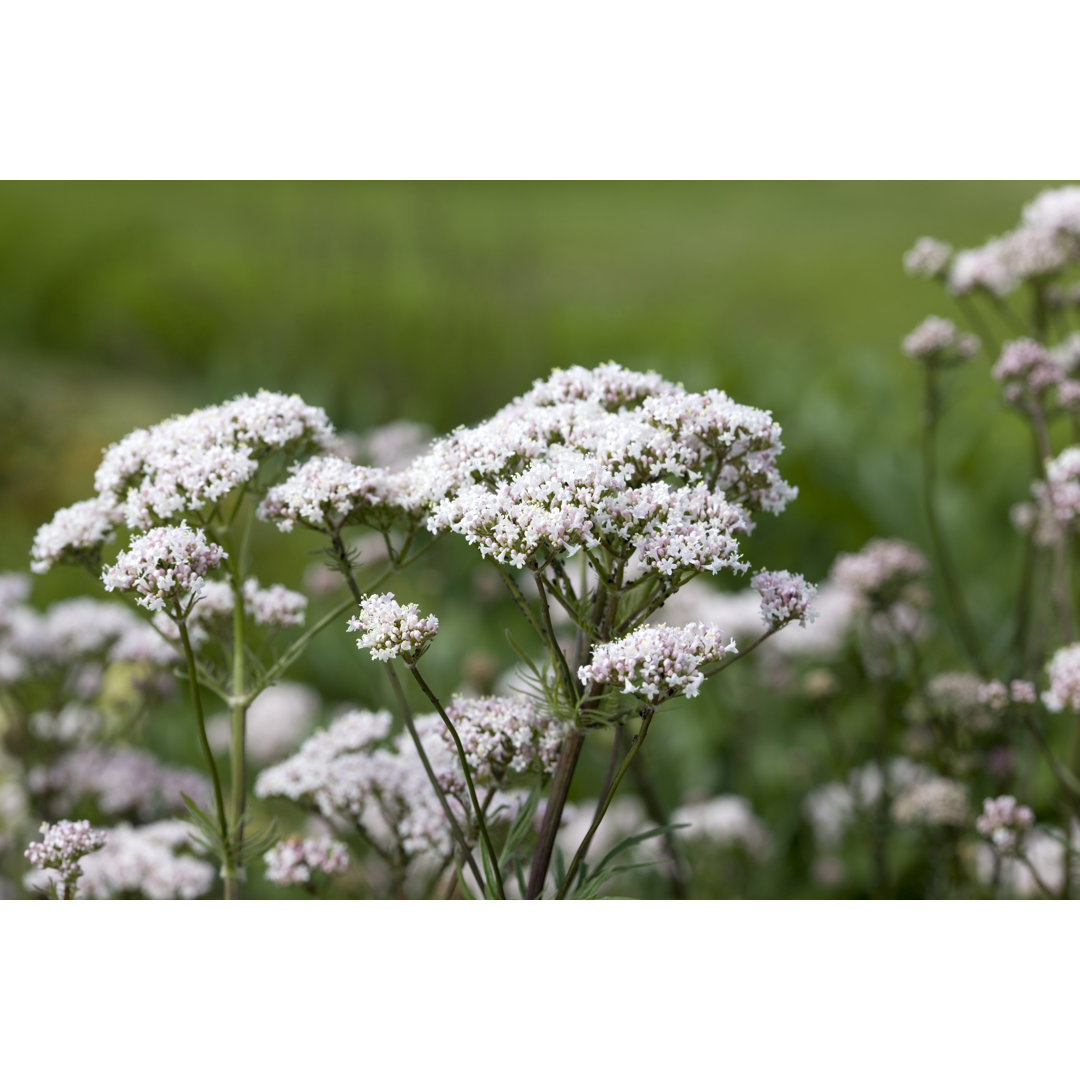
[[1064, 672], [293, 861], [389, 629], [658, 662], [785, 597], [75, 534], [164, 564], [928, 258]]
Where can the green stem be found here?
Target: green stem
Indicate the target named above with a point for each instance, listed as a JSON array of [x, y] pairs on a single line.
[[646, 719], [452, 821], [961, 619], [238, 721], [485, 839], [219, 798]]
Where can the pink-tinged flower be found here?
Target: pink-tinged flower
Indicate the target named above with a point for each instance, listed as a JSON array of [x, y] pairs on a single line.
[[295, 860], [928, 258], [389, 629], [501, 735], [63, 845], [190, 462], [164, 564], [75, 534], [658, 662], [1064, 672], [785, 597], [1056, 210], [1026, 367], [937, 340], [882, 567], [1003, 822], [325, 493]]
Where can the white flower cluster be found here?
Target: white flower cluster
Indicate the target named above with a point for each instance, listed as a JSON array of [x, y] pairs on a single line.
[[1064, 672], [506, 735], [938, 800], [166, 563], [293, 861], [76, 534], [275, 606], [1043, 244], [997, 696], [658, 662], [188, 463], [120, 780], [352, 771], [725, 821], [389, 629], [928, 258], [937, 341], [326, 493], [1003, 822], [606, 457], [140, 861], [1057, 498], [832, 808], [63, 845], [1026, 367], [881, 567], [785, 597]]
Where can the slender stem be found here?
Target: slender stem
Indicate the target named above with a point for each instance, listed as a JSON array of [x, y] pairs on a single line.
[[556, 800], [452, 821], [219, 798], [238, 721], [962, 624], [553, 643], [646, 719], [485, 839]]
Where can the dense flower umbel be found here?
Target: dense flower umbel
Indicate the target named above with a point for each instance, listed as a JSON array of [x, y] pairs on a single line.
[[389, 629], [1026, 367], [295, 860], [1003, 821], [166, 563], [503, 734], [352, 771], [658, 662], [190, 462], [1064, 672], [63, 845], [937, 341], [785, 597], [606, 457], [325, 493], [75, 534]]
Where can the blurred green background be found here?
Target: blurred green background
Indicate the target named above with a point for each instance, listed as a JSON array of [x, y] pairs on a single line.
[[122, 303]]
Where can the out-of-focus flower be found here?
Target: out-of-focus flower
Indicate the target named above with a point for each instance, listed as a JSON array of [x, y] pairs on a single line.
[[937, 341], [1064, 672], [276, 722], [938, 800], [293, 861], [1003, 821], [928, 258]]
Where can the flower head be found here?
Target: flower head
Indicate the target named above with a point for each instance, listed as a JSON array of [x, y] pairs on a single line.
[[928, 258], [295, 860], [785, 597], [76, 534], [1003, 821], [658, 662], [1064, 672], [937, 341], [164, 564], [389, 629], [61, 850]]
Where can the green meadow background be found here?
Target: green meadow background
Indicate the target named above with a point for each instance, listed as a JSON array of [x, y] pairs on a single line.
[[124, 303]]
